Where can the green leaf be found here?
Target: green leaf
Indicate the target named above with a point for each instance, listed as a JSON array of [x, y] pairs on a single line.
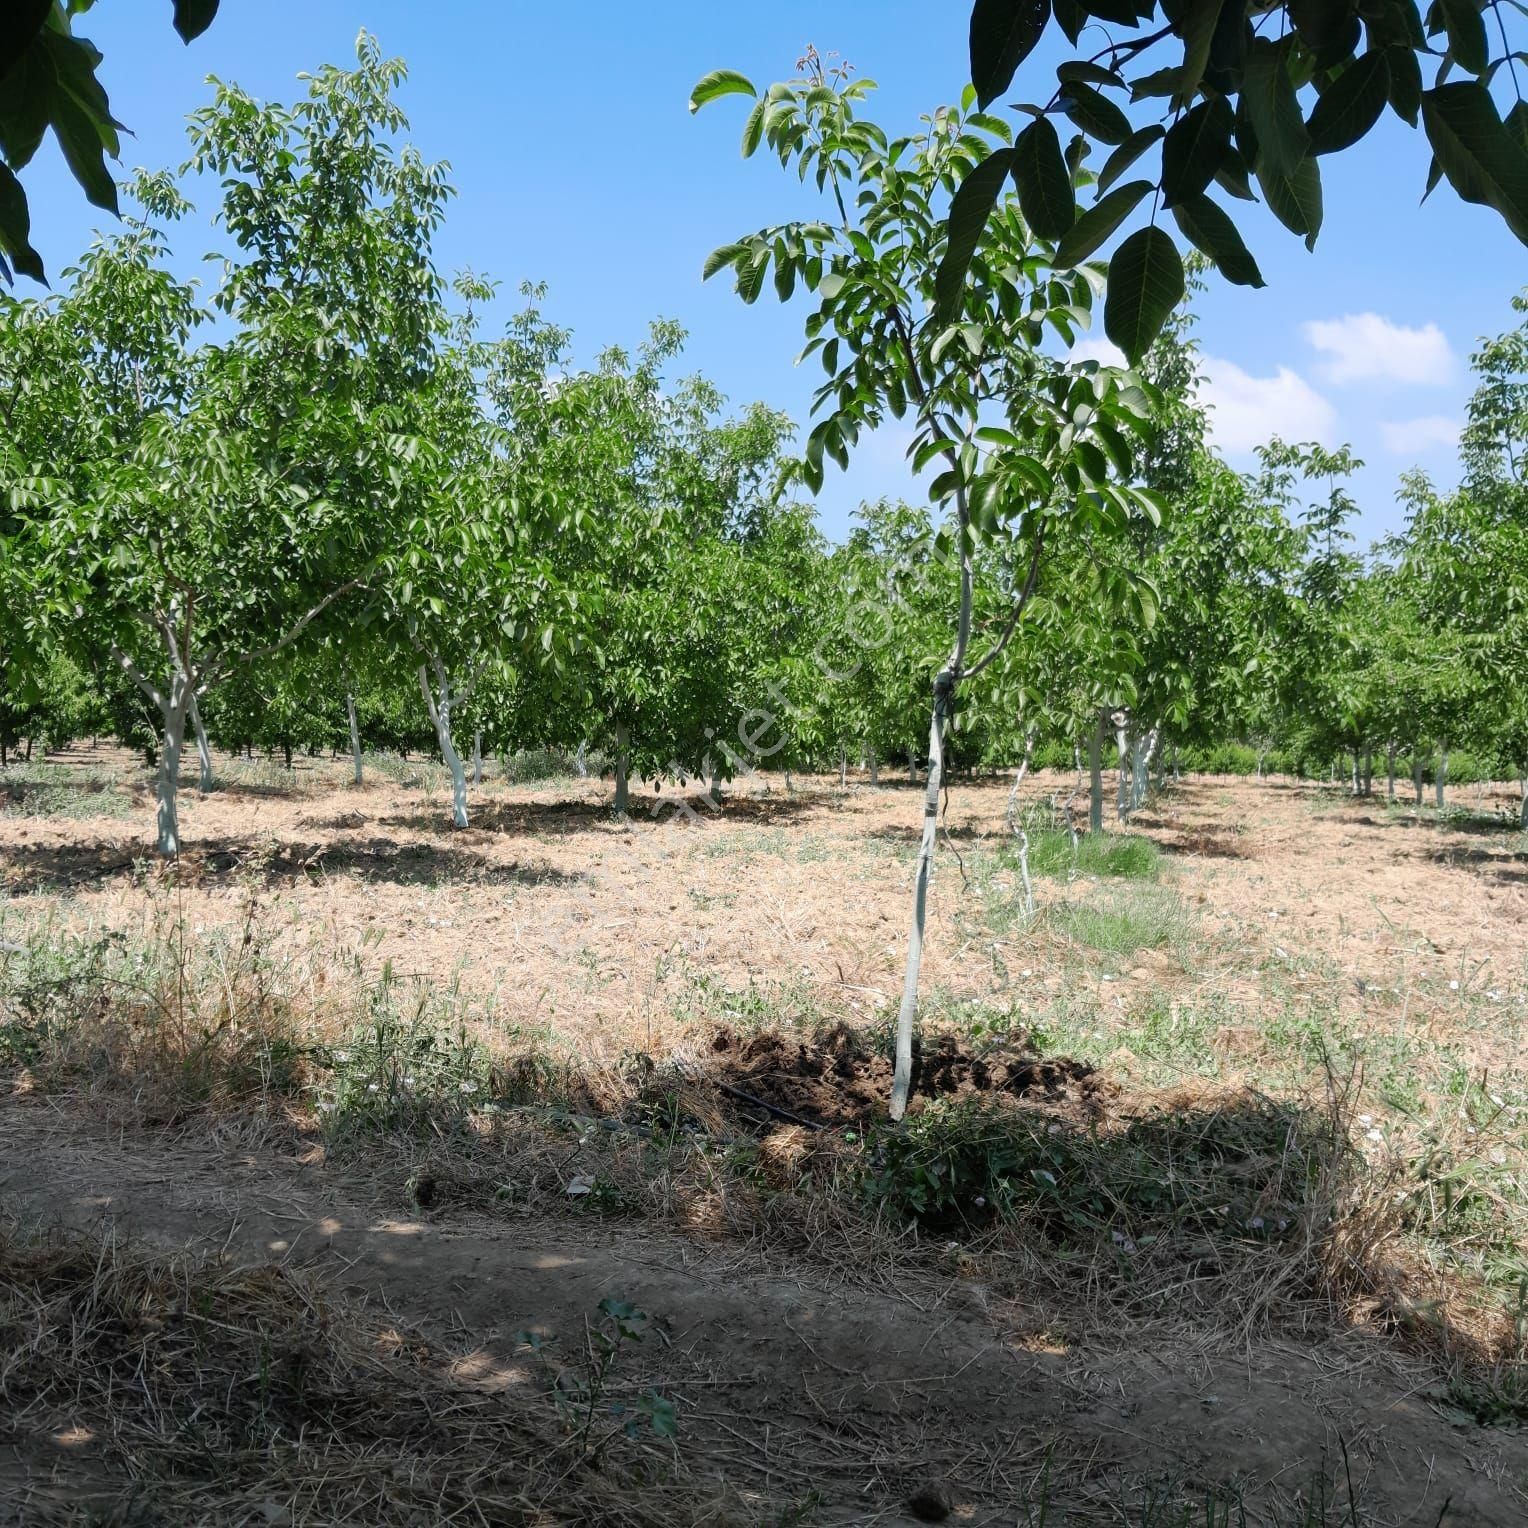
[[1405, 83], [1295, 200], [720, 259], [753, 128], [1209, 228], [80, 139], [1196, 26], [16, 227], [719, 83], [1003, 35], [193, 17], [1268, 97], [1145, 285], [969, 211], [1350, 105], [1045, 185], [20, 23], [1195, 148], [1127, 154], [1466, 34], [1094, 227], [1483, 161], [1094, 113]]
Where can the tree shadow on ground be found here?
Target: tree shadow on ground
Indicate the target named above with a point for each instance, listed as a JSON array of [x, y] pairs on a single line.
[[1510, 866], [1472, 823], [28, 869], [1198, 843], [576, 815]]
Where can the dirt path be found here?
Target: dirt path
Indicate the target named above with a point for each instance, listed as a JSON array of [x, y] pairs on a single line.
[[789, 1382]]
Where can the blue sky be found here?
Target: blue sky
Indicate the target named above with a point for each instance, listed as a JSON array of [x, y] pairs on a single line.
[[578, 164]]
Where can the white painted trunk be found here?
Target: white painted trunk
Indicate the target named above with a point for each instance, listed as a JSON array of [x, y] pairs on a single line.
[[440, 714], [1121, 722], [203, 750], [581, 761], [622, 767], [1442, 776], [1096, 776], [355, 737], [912, 766], [902, 1079], [874, 765], [167, 778]]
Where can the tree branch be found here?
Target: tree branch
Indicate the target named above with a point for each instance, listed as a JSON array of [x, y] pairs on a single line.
[[1017, 612], [136, 674], [251, 654]]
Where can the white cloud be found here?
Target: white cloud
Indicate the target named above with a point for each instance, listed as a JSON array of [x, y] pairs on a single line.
[[1247, 411], [1411, 437], [1364, 347], [1097, 347]]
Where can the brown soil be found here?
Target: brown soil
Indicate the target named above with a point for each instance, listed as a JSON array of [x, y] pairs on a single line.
[[809, 1382], [839, 1080], [862, 1382]]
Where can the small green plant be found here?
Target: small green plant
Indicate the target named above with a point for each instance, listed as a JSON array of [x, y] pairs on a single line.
[[1125, 920], [402, 1073], [581, 1391], [1107, 856]]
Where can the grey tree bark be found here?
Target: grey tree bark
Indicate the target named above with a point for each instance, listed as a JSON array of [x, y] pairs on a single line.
[[1121, 721], [1096, 774], [1390, 772], [477, 756], [874, 765], [439, 707], [622, 766], [203, 750], [355, 740], [1417, 766], [1441, 778]]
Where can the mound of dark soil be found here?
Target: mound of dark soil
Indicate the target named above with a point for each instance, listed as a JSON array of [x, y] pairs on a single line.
[[839, 1079]]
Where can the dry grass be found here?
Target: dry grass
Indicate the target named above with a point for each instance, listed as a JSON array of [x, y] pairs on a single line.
[[192, 1392], [1303, 1128]]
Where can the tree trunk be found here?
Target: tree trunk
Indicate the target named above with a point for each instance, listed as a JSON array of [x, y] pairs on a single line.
[[1390, 771], [843, 767], [1368, 770], [203, 751], [477, 756], [1145, 752], [874, 765], [1441, 778], [1096, 774], [1121, 720], [622, 765], [581, 762], [286, 749], [440, 715], [912, 765], [944, 699], [27, 756], [902, 1079], [1416, 773], [167, 774], [1262, 754], [355, 737], [1522, 816]]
